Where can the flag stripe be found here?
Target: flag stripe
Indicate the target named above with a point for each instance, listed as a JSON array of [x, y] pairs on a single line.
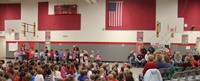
[[115, 14]]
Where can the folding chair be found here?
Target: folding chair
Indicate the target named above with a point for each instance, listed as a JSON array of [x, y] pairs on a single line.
[[168, 71], [191, 75], [197, 77], [180, 69], [176, 76], [163, 72], [189, 68], [184, 76]]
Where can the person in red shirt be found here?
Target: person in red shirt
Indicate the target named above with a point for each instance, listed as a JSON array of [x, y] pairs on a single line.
[[187, 62], [150, 65], [27, 54], [195, 62], [31, 53], [52, 55]]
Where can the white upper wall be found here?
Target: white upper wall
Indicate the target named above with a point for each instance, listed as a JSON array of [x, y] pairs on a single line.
[[93, 24]]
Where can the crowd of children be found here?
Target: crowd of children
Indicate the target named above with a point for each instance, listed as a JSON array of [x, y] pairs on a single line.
[[80, 65], [50, 65]]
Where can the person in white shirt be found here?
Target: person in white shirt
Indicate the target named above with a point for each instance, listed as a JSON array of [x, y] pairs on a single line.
[[42, 55], [92, 57], [89, 73], [82, 56], [146, 56], [57, 74], [39, 76], [16, 54]]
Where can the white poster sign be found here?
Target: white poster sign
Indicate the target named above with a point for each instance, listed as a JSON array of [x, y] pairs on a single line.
[[188, 47], [12, 46]]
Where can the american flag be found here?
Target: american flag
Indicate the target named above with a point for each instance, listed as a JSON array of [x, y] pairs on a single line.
[[115, 13]]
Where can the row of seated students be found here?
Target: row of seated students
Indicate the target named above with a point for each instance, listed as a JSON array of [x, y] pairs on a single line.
[[139, 59], [63, 71]]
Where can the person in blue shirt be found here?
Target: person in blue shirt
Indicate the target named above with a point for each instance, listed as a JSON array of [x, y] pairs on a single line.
[[159, 62], [83, 75], [61, 55], [32, 72], [166, 62], [131, 58]]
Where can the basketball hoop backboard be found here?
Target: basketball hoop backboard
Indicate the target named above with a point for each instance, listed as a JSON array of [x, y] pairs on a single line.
[[9, 30], [13, 25], [175, 25]]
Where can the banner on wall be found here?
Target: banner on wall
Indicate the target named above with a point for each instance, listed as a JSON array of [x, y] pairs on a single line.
[[16, 36], [184, 38], [139, 36], [160, 47], [65, 9], [47, 36]]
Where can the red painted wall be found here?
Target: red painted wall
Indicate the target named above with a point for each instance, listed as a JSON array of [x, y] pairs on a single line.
[[9, 12], [137, 15], [190, 11], [57, 22]]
